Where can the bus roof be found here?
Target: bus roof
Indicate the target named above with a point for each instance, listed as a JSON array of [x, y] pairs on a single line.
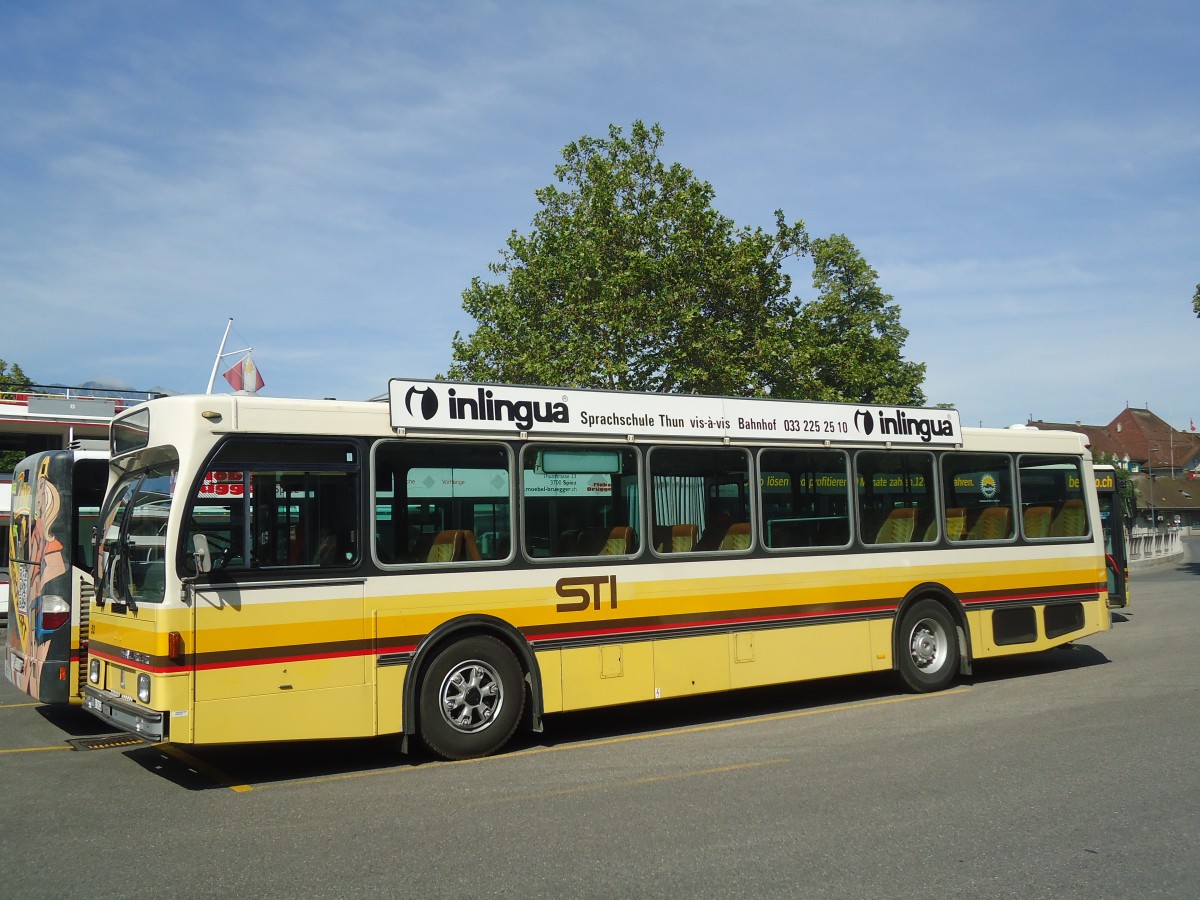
[[432, 408]]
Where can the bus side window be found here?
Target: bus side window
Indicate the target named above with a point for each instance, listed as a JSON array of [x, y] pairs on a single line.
[[701, 499], [895, 497], [581, 501], [441, 502], [979, 497]]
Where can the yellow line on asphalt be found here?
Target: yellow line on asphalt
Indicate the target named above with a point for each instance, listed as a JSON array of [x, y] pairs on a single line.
[[17, 705], [606, 742], [34, 749], [204, 769], [639, 782]]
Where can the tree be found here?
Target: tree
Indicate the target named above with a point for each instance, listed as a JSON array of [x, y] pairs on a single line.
[[1196, 301], [13, 379], [852, 334], [632, 280]]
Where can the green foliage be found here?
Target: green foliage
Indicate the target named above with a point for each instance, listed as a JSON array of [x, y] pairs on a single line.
[[853, 334], [1126, 488], [631, 280], [13, 379]]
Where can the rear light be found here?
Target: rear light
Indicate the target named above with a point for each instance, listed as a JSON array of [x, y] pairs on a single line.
[[94, 671], [143, 687], [55, 613]]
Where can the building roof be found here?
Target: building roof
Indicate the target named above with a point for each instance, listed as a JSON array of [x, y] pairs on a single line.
[[1174, 494], [1139, 436]]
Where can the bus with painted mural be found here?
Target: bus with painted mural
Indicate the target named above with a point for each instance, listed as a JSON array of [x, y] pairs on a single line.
[[464, 560], [5, 514], [56, 497], [1115, 516]]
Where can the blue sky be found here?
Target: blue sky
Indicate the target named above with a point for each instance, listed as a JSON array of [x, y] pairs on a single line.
[[1024, 176]]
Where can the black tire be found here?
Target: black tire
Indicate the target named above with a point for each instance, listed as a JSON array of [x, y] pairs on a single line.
[[927, 656], [471, 700]]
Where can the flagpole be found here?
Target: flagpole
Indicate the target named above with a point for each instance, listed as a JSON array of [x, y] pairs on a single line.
[[221, 352]]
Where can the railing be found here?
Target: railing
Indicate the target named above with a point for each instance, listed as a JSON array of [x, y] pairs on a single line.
[[120, 399], [1155, 544]]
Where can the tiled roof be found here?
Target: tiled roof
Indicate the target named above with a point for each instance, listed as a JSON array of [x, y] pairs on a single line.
[[1142, 436]]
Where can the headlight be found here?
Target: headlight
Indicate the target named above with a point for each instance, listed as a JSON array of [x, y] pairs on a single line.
[[143, 687], [94, 671]]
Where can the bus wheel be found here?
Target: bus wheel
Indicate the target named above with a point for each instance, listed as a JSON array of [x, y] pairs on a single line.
[[471, 698], [927, 647]]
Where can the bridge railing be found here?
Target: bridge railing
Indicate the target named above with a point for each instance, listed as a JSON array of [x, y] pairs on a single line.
[[1145, 545]]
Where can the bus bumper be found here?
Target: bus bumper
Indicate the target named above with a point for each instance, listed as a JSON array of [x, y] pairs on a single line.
[[125, 715]]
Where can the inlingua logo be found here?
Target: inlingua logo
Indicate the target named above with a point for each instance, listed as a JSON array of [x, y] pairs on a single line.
[[428, 404], [864, 421]]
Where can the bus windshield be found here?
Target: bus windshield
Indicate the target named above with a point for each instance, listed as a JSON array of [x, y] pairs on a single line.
[[132, 561]]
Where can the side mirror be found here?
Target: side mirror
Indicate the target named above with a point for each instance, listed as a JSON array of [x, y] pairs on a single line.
[[200, 554]]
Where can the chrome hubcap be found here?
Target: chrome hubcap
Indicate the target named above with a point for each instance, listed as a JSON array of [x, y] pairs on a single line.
[[928, 645], [471, 696]]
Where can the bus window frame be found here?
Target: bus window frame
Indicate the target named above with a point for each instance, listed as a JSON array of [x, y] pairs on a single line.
[[250, 466], [850, 496], [1085, 480], [416, 565], [638, 469], [933, 489], [751, 501]]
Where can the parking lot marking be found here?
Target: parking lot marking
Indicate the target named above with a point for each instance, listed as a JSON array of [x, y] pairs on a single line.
[[33, 749], [17, 705]]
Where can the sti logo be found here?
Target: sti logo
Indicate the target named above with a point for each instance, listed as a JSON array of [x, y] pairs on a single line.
[[864, 421], [427, 405]]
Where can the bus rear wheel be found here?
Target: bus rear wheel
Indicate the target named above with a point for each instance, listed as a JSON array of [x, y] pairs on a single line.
[[471, 698], [927, 647]]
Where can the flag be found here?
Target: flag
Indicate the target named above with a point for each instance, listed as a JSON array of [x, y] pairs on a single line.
[[1192, 422], [243, 375]]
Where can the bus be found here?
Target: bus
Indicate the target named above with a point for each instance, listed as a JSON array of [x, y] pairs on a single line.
[[56, 497], [1115, 516], [463, 559], [5, 510]]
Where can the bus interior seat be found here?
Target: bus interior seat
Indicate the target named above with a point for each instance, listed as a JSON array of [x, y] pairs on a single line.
[[602, 541], [1071, 520], [683, 538], [620, 542], [675, 538], [737, 537], [956, 523], [898, 527], [470, 547], [454, 545], [993, 524], [1036, 521], [446, 547]]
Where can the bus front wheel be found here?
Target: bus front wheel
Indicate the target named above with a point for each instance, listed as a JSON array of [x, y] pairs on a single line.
[[471, 699], [927, 647]]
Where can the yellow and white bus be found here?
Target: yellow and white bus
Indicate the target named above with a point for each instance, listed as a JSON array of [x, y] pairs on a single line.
[[465, 559]]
